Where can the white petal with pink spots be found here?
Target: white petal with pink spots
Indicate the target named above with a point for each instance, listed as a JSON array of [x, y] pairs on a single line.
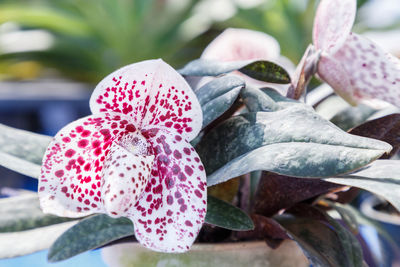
[[361, 71], [173, 206], [333, 23], [131, 156]]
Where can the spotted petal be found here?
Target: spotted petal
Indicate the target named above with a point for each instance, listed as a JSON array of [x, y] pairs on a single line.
[[171, 211], [71, 175], [360, 71], [331, 71], [125, 176], [332, 24], [152, 93]]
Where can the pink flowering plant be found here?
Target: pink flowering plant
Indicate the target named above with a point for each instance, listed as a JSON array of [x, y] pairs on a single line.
[[132, 158], [235, 156]]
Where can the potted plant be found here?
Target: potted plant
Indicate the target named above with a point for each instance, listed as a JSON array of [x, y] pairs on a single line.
[[157, 159]]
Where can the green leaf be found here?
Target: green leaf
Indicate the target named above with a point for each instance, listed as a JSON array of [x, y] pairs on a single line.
[[23, 213], [352, 116], [261, 70], [282, 101], [266, 71], [22, 151], [23, 144], [293, 141], [348, 217], [223, 214], [26, 242], [44, 17], [256, 100], [349, 242], [265, 99], [323, 240], [364, 220], [216, 107], [204, 67], [101, 229], [19, 165], [218, 87], [217, 96], [296, 159], [88, 234], [382, 177]]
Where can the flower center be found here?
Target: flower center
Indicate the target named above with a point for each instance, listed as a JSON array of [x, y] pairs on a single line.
[[137, 144]]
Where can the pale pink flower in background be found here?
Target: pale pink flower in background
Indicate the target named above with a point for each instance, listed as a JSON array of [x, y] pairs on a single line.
[[389, 40], [356, 68], [242, 44]]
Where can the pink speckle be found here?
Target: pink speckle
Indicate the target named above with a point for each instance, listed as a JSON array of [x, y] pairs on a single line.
[[130, 128], [177, 154], [87, 167], [158, 189], [83, 143], [80, 160], [170, 200], [85, 133], [96, 143], [59, 173], [97, 151], [188, 170], [198, 193], [186, 151], [169, 182], [105, 131], [183, 208], [69, 153]]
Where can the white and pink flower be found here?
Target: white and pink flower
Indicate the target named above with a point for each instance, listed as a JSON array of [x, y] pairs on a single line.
[[356, 68], [132, 158]]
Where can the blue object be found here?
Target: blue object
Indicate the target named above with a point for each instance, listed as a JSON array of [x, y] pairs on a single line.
[[39, 259]]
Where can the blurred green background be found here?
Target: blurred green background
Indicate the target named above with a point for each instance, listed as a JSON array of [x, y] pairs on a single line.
[[84, 40]]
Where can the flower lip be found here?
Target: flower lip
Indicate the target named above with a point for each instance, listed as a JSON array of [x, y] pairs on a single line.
[[136, 144]]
